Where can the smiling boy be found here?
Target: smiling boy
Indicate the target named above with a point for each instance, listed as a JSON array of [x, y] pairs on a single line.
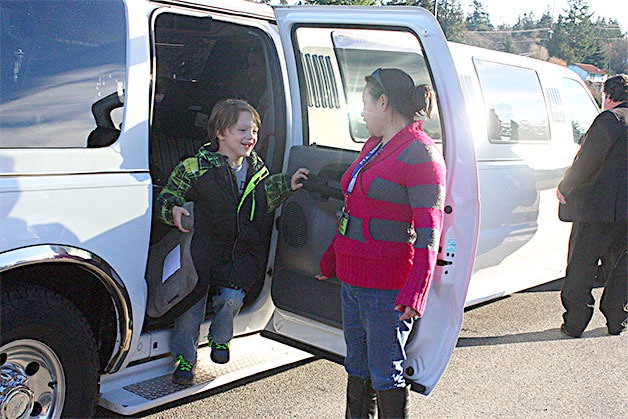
[[234, 196]]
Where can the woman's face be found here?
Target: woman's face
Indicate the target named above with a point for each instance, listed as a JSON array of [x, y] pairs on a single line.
[[372, 113], [239, 139]]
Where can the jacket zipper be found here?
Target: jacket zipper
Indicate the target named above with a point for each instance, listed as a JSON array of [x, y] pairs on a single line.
[[235, 196]]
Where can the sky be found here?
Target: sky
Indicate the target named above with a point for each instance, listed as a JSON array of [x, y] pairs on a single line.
[[507, 11], [502, 11]]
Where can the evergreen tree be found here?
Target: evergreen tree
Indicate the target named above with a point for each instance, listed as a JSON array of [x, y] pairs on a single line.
[[525, 21], [508, 45], [451, 19], [426, 4], [573, 37], [545, 21], [478, 19], [344, 2]]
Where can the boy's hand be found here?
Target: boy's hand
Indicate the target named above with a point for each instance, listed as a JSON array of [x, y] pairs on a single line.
[[297, 176], [177, 216]]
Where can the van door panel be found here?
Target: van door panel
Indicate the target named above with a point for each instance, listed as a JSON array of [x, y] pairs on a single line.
[[333, 50], [306, 227]]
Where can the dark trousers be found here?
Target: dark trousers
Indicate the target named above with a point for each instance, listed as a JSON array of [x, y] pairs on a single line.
[[590, 243]]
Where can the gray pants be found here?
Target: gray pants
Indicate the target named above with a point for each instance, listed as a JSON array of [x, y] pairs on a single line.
[[589, 243]]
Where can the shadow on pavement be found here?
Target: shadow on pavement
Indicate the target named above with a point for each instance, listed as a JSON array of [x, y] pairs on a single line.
[[541, 336]]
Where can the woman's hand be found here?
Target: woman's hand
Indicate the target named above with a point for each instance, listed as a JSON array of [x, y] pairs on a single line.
[[177, 216], [321, 277], [301, 173], [408, 312]]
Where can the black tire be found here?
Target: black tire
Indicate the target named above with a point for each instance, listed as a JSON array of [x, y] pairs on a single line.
[[48, 341]]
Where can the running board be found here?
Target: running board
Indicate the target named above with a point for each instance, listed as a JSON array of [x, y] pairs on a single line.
[[149, 385]]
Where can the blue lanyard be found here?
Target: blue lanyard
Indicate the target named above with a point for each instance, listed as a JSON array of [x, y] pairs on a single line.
[[372, 154]]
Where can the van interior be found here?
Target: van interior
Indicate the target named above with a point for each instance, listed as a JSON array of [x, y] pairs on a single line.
[[198, 61]]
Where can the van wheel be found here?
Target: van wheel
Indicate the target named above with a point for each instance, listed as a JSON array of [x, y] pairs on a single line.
[[48, 356]]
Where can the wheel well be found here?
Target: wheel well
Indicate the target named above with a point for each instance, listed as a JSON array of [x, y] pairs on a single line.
[[82, 288]]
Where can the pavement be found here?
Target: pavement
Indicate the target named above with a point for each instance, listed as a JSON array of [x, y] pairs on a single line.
[[511, 361]]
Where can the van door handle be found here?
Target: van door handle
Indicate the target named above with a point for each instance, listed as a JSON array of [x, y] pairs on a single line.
[[319, 185], [441, 262]]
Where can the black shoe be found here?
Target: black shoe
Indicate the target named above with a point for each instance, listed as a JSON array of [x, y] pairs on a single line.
[[616, 332], [567, 332], [220, 351], [183, 373]]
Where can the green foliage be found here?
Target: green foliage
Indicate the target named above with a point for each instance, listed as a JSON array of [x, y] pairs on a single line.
[[344, 2], [451, 18], [427, 4], [573, 38], [478, 20]]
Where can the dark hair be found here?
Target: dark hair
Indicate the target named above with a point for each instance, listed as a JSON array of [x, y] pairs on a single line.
[[225, 115], [616, 88], [404, 97]]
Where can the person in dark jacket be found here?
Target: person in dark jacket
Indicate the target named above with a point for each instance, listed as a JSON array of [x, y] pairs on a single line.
[[593, 195], [234, 197]]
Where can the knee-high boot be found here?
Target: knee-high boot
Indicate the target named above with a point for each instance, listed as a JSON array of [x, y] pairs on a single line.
[[361, 400], [393, 403]]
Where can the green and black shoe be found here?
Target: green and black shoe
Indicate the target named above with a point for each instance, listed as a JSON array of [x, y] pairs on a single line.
[[220, 351], [183, 373]]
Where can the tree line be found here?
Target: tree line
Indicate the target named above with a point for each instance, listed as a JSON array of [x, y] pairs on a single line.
[[574, 37]]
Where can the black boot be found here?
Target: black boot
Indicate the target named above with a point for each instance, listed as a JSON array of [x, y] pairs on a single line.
[[393, 403], [361, 400]]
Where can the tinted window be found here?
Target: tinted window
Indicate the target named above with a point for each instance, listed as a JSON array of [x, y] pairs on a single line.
[[581, 109], [334, 64], [58, 59], [514, 103]]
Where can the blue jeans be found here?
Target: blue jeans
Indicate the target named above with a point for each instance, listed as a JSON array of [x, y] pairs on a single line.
[[374, 336], [187, 327]]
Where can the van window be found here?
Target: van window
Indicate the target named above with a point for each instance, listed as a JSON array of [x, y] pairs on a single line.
[[580, 107], [514, 103], [58, 59], [335, 61], [198, 62]]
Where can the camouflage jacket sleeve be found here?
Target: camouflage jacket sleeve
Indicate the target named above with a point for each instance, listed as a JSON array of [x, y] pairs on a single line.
[[179, 183], [277, 190]]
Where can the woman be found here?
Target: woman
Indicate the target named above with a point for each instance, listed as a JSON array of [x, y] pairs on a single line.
[[387, 240]]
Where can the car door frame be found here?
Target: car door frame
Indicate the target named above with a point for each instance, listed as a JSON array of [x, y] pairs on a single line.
[[436, 334]]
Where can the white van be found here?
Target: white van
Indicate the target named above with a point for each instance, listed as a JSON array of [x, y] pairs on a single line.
[[100, 99]]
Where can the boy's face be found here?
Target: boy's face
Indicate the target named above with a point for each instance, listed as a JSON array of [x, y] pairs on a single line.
[[238, 140]]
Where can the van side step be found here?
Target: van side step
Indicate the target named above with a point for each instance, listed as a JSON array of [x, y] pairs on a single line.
[[146, 386]]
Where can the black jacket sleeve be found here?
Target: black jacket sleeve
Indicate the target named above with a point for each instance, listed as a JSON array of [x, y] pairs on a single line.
[[604, 132]]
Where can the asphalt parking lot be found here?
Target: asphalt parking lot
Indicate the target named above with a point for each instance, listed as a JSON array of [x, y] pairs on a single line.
[[511, 361]]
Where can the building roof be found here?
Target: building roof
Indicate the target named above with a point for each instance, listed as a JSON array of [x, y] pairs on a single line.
[[590, 68]]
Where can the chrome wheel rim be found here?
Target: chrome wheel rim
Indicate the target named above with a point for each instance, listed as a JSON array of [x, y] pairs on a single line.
[[32, 382]]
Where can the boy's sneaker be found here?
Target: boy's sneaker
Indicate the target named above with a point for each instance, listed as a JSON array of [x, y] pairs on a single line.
[[220, 351], [183, 374]]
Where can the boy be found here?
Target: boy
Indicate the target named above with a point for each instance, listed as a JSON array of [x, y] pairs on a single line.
[[234, 196]]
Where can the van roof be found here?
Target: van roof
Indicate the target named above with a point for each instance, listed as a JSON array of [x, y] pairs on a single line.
[[240, 7]]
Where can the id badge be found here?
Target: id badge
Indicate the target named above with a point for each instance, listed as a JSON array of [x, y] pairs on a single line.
[[343, 223]]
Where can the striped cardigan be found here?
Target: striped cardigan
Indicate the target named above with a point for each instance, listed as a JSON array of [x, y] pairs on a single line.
[[395, 219]]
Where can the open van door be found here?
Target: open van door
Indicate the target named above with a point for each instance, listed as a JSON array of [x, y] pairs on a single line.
[[328, 52]]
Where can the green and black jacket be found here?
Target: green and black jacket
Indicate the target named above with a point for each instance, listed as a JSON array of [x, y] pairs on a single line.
[[229, 246]]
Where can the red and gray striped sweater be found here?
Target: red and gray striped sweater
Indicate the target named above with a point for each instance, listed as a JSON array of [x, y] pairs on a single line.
[[395, 219]]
